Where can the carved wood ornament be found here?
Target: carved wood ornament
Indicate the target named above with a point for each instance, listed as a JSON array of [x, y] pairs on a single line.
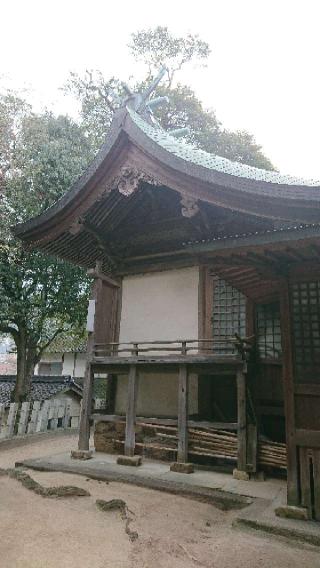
[[189, 207], [127, 182]]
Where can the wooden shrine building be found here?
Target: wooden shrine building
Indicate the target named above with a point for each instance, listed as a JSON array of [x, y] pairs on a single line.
[[207, 288]]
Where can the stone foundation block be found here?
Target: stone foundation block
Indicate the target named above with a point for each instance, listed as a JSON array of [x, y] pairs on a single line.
[[81, 454], [134, 461], [291, 512], [179, 467], [240, 475], [107, 435]]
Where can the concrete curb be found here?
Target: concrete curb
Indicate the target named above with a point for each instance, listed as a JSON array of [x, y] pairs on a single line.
[[289, 533], [261, 517], [221, 499]]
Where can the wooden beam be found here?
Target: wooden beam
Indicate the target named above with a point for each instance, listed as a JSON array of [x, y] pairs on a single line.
[[129, 445], [94, 274], [101, 241], [308, 438], [316, 478], [289, 403], [183, 415], [205, 300], [232, 426], [242, 421]]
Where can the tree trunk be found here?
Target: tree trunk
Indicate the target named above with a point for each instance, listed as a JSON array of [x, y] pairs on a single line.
[[26, 361]]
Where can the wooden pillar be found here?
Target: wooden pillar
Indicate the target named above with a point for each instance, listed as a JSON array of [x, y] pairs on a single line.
[[242, 421], [183, 415], [129, 444], [84, 428], [288, 393]]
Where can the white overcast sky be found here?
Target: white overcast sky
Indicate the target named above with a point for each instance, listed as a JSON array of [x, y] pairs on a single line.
[[263, 73]]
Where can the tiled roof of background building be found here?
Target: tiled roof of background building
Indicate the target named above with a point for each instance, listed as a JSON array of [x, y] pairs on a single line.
[[43, 387]]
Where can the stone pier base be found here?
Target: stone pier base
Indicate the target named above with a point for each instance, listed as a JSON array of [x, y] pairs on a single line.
[[134, 461], [179, 467], [81, 454]]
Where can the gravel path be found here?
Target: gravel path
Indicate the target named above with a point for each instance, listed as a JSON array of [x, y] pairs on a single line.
[[173, 532]]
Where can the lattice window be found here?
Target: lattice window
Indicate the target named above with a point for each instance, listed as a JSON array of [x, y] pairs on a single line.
[[268, 330], [229, 314], [305, 302]]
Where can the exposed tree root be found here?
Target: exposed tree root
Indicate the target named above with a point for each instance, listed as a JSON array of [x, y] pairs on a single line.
[[32, 485], [121, 506]]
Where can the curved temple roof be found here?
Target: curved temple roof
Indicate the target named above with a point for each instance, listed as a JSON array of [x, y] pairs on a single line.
[[193, 172], [190, 153]]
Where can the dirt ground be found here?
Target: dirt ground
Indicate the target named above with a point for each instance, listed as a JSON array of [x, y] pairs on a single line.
[[173, 532]]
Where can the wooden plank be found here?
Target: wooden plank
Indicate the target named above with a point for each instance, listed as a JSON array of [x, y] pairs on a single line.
[[252, 447], [183, 415], [167, 421], [34, 417], [242, 421], [11, 420], [304, 461], [307, 389], [308, 438], [23, 418], [67, 416], [289, 404], [43, 416], [316, 483], [2, 419], [131, 411], [54, 417]]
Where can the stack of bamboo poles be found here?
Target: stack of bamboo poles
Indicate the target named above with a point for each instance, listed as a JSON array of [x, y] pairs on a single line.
[[204, 442], [220, 444], [272, 454], [209, 442]]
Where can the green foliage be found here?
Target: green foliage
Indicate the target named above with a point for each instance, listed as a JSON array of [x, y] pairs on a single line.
[[40, 296], [99, 97], [158, 47]]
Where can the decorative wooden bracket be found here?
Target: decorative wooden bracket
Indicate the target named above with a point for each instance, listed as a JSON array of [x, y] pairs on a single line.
[[127, 182], [189, 206]]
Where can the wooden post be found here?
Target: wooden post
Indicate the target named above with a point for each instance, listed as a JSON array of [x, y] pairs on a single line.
[[288, 392], [67, 415], [2, 419], [23, 419], [11, 421], [42, 424], [183, 415], [84, 429], [242, 421], [129, 444], [34, 417], [101, 326]]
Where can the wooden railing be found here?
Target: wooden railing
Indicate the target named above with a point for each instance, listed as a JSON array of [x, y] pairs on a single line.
[[226, 346]]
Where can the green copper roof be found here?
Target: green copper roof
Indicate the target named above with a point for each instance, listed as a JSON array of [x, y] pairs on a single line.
[[190, 153]]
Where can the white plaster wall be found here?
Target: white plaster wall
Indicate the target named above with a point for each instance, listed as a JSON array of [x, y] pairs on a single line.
[[68, 364], [159, 306], [157, 394], [80, 364], [74, 364]]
